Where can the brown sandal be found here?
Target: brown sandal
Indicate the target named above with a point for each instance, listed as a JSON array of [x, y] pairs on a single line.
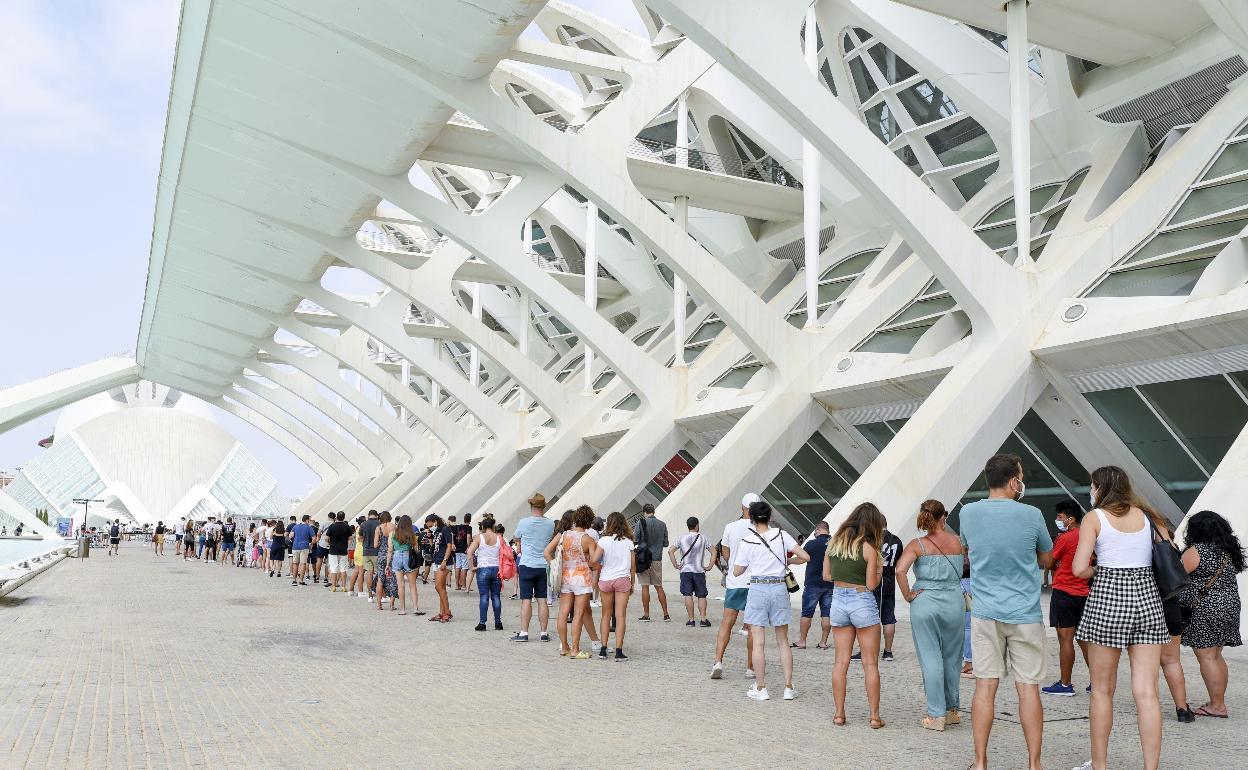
[[936, 724], [839, 721], [876, 723]]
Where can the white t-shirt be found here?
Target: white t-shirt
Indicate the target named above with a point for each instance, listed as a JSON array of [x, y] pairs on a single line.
[[616, 557], [693, 545], [177, 528], [733, 533], [753, 553]]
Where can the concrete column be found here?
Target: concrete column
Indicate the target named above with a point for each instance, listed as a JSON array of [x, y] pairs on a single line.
[[810, 188], [406, 376], [1020, 122], [680, 293], [591, 281], [474, 355]]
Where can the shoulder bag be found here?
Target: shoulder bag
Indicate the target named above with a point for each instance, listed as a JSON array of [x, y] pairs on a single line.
[[414, 559], [555, 568], [1171, 578], [506, 560], [790, 582], [642, 549]]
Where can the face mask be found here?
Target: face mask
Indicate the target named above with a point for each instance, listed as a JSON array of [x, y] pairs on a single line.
[[1022, 489], [1061, 525]]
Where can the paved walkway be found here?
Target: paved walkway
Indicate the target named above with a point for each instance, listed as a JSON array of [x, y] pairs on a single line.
[[139, 661]]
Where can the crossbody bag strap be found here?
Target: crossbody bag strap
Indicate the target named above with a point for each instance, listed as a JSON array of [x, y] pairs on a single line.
[[767, 544], [942, 553], [691, 547], [1209, 583]]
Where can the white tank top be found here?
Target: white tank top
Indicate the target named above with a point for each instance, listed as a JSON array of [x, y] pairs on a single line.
[[487, 555], [1123, 549]]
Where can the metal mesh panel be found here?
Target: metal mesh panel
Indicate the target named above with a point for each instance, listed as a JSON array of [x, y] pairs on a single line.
[[1185, 100], [795, 252]]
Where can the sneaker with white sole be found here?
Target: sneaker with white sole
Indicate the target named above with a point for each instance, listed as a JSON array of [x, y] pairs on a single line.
[[790, 693], [757, 694], [1085, 766], [749, 674], [743, 632], [717, 670]]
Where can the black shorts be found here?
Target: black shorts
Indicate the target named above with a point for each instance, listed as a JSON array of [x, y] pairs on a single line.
[[886, 600], [693, 584], [1065, 610], [532, 582], [114, 540]]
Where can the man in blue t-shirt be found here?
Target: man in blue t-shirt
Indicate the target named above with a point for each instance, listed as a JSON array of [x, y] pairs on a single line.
[[534, 533], [816, 592], [1008, 544], [301, 540]]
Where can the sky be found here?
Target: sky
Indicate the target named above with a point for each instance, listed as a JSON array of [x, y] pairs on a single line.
[[83, 90]]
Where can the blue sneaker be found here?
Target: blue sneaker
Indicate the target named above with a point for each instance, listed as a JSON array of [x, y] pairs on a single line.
[[1057, 688]]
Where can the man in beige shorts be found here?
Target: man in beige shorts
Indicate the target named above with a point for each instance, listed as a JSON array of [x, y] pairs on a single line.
[[653, 533]]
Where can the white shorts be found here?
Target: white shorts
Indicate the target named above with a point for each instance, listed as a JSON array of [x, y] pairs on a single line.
[[337, 563]]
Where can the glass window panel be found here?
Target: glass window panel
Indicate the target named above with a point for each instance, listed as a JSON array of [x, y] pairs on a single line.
[[737, 378], [830, 486], [1205, 411], [896, 341], [1054, 453], [708, 331], [1053, 221], [864, 84], [894, 68], [1150, 442], [998, 237], [863, 35], [604, 379], [882, 123], [776, 499], [1211, 200], [630, 404], [906, 155], [798, 317], [851, 265], [1177, 240], [961, 142], [1001, 213], [644, 337], [877, 433], [1174, 280], [834, 458], [1074, 183], [692, 354], [830, 292], [926, 103], [1232, 159], [923, 308], [973, 181]]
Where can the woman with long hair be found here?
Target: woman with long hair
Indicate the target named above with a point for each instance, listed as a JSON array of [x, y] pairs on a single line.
[[574, 592], [1214, 558], [614, 551], [936, 607], [486, 547], [852, 565], [277, 548], [764, 555], [386, 579], [402, 543], [1123, 609], [443, 553]]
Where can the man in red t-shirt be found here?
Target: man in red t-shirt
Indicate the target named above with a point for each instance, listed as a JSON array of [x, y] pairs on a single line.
[[1069, 595]]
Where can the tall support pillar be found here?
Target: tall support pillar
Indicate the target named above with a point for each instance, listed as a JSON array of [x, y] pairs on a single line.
[[680, 292], [406, 374], [526, 305], [810, 188], [591, 281], [474, 355], [1020, 122]]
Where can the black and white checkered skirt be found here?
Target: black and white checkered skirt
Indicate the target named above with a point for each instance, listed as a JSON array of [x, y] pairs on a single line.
[[1124, 608]]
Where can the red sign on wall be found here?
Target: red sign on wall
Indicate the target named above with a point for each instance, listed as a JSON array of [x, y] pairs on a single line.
[[672, 474]]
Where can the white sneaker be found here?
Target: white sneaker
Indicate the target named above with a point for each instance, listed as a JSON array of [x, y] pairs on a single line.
[[789, 693], [749, 672], [370, 600], [351, 593], [743, 632], [756, 693], [595, 604], [1085, 766], [717, 670]]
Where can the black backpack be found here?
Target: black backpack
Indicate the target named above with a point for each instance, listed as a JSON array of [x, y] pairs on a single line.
[[642, 549]]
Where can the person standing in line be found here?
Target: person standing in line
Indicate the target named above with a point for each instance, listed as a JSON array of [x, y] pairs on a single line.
[[688, 556], [212, 539], [443, 555], [595, 531], [201, 537], [339, 534], [249, 543], [114, 538], [158, 539], [852, 566], [386, 579], [402, 543], [763, 557], [736, 588], [277, 548], [614, 551], [356, 555], [816, 592], [452, 523], [652, 532], [178, 530], [462, 536], [1008, 544], [1214, 558], [1070, 594], [533, 534], [424, 536], [229, 539], [936, 607], [575, 589], [483, 555], [188, 541], [320, 565], [300, 543], [1123, 610], [886, 596], [366, 544]]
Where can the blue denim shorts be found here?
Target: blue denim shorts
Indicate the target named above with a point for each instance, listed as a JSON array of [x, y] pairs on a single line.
[[854, 608], [398, 563], [816, 597], [767, 605]]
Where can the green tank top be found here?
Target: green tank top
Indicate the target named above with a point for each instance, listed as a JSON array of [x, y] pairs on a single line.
[[853, 571]]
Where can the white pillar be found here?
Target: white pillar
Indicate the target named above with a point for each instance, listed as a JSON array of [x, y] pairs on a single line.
[[526, 305], [436, 396], [474, 356], [591, 280], [406, 374], [1020, 122], [810, 189], [680, 292]]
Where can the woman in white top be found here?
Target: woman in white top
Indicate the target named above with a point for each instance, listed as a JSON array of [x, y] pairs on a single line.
[[614, 551], [1123, 609], [486, 547], [764, 555]]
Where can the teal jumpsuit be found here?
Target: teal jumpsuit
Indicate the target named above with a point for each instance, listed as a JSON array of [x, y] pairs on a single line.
[[936, 622]]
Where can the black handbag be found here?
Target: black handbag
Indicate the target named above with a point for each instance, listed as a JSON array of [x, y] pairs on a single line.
[[414, 559], [1168, 568], [642, 549]]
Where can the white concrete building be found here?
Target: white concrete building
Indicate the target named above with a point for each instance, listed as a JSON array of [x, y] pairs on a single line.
[[732, 246]]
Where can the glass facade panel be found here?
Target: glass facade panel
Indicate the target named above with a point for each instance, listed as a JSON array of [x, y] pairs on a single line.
[[961, 142], [896, 341], [924, 307], [1211, 200], [1172, 280], [926, 103], [1206, 412], [1233, 159], [893, 67], [851, 265], [882, 123], [1178, 240], [737, 377], [973, 181], [877, 433], [864, 84], [811, 483]]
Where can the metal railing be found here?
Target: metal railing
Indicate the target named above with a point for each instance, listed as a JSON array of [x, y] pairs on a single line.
[[766, 169]]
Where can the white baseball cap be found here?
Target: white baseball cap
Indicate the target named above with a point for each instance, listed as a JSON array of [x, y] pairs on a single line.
[[749, 499]]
